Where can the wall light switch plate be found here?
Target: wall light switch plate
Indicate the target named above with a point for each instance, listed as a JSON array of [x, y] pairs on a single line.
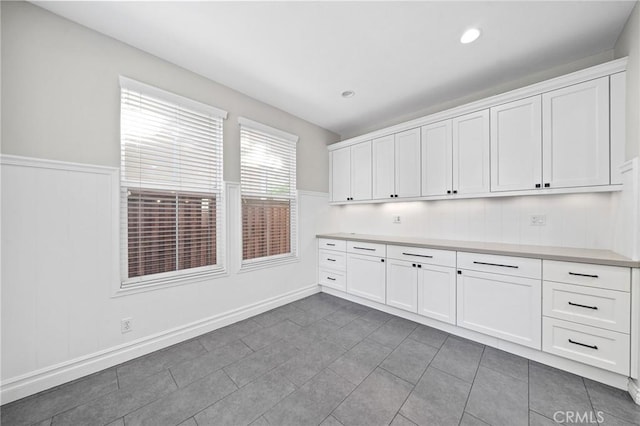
[[538, 220]]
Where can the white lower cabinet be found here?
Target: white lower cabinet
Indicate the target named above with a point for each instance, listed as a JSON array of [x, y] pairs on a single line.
[[507, 307], [590, 345], [437, 292], [366, 276], [579, 311], [332, 263], [402, 285]]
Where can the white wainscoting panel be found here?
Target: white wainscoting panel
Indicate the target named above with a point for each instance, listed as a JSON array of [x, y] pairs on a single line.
[[572, 220], [60, 262]]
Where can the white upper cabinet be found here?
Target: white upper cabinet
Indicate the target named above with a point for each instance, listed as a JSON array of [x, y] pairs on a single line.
[[384, 167], [437, 159], [341, 174], [396, 165], [516, 145], [575, 129], [558, 136], [351, 173], [618, 124], [407, 158], [471, 153], [361, 171]]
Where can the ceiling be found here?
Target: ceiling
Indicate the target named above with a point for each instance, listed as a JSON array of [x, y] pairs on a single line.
[[399, 57]]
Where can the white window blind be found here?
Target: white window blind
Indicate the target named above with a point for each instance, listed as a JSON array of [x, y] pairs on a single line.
[[268, 191], [171, 186]]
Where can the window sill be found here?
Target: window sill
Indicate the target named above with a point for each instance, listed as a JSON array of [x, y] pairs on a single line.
[[158, 284], [248, 266]]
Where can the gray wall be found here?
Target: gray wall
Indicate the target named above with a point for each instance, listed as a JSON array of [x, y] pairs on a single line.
[[61, 98], [628, 44], [567, 68]]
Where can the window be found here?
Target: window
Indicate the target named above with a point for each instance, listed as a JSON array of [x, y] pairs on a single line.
[[268, 189], [170, 184]]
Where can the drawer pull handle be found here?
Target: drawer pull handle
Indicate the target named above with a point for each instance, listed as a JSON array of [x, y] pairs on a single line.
[[496, 264], [331, 260], [331, 279], [583, 344], [418, 255], [583, 275], [331, 244], [595, 308], [364, 248]]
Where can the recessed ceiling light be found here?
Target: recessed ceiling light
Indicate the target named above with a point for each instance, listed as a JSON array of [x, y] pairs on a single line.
[[470, 36], [348, 94]]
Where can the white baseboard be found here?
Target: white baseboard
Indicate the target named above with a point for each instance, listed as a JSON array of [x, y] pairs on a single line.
[[593, 373], [634, 390], [46, 378]]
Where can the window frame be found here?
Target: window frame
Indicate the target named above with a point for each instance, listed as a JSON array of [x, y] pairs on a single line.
[[128, 285], [283, 258]]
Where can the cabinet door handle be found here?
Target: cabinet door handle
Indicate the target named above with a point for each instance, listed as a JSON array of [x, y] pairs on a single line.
[[547, 185], [364, 248], [455, 191], [391, 195], [331, 244], [331, 279], [583, 275], [382, 260], [595, 308], [331, 260], [448, 191], [413, 264], [419, 265], [418, 255], [496, 264], [583, 344], [538, 185]]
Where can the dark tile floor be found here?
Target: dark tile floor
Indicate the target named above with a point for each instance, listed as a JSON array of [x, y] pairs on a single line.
[[324, 360]]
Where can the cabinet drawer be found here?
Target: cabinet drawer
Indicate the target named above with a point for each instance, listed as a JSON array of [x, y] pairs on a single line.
[[601, 348], [610, 277], [586, 305], [369, 249], [332, 260], [505, 265], [328, 244], [422, 255], [332, 279]]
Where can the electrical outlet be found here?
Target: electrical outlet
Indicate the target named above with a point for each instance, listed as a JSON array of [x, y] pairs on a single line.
[[126, 325], [396, 219], [538, 220]]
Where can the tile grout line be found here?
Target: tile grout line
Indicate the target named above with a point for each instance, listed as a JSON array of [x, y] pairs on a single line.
[[417, 381], [484, 347]]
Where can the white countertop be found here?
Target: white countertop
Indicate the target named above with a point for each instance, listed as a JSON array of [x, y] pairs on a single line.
[[566, 254]]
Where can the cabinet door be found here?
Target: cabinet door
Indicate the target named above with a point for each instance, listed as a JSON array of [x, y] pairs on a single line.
[[437, 158], [402, 278], [384, 167], [366, 277], [437, 292], [501, 306], [516, 145], [575, 132], [618, 124], [471, 153], [341, 174], [407, 156], [361, 171]]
